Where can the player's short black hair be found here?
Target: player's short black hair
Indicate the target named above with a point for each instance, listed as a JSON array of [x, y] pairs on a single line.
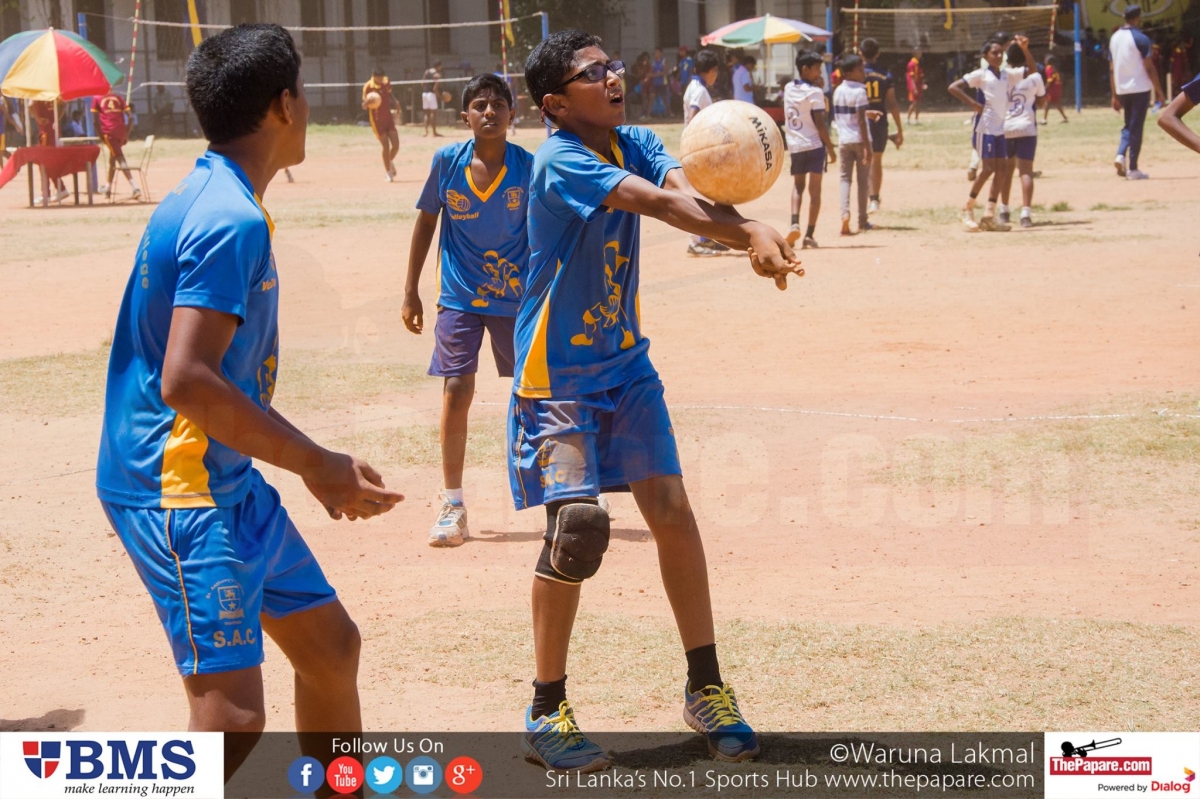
[[1016, 56], [486, 83], [549, 62], [849, 63], [377, 70], [749, 61], [991, 40], [1050, 58], [1132, 12], [706, 61], [870, 48], [807, 58], [235, 75]]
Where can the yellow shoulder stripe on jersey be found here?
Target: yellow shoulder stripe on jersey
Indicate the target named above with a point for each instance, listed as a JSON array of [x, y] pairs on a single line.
[[485, 195], [184, 476], [535, 374], [266, 216]]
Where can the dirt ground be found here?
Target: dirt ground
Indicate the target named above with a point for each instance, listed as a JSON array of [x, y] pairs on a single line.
[[946, 481]]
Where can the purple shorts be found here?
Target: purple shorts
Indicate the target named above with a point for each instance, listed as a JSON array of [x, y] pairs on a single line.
[[992, 146], [1022, 147], [458, 336], [808, 162]]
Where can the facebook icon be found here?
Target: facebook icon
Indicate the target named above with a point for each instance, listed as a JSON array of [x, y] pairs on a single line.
[[306, 774]]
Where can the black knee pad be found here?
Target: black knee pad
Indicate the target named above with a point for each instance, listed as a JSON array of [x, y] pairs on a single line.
[[576, 540]]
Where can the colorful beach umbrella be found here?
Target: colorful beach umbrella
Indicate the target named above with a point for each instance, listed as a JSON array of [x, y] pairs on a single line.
[[767, 29], [54, 65]]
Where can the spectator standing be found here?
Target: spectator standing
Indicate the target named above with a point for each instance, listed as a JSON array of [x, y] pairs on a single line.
[[1133, 78], [163, 109], [658, 82], [431, 84], [1181, 63], [743, 79]]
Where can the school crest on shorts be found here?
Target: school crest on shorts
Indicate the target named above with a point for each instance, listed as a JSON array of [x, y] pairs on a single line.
[[228, 593]]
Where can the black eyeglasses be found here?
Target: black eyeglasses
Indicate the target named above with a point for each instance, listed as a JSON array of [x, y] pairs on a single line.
[[594, 73]]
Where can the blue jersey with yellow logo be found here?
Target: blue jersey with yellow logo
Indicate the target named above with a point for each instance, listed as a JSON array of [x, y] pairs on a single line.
[[579, 327], [208, 245], [483, 250]]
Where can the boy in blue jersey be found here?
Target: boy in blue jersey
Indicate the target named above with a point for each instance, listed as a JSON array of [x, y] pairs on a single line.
[[588, 413], [481, 189], [194, 361]]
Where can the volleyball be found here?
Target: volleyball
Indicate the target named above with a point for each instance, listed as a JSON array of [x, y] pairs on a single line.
[[374, 100], [732, 152]]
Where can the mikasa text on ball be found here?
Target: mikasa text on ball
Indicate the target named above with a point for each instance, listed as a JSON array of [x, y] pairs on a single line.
[[732, 152]]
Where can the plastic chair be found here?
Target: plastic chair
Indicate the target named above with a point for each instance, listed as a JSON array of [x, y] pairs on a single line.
[[142, 168]]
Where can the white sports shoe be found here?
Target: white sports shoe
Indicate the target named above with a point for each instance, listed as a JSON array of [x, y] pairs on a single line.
[[1137, 174], [968, 220], [450, 529], [872, 206], [605, 506], [1119, 163]]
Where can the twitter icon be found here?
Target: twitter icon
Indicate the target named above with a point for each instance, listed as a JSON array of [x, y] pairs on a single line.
[[384, 774]]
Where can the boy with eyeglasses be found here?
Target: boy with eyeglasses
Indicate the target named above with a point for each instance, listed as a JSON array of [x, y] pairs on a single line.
[[588, 412]]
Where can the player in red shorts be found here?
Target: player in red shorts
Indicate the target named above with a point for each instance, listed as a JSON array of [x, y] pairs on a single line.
[[113, 119], [915, 78], [381, 118], [1054, 90]]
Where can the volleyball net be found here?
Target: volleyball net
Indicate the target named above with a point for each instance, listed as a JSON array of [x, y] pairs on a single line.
[[947, 30]]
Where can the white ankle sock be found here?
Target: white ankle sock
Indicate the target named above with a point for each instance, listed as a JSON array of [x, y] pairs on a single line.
[[455, 495], [1025, 212]]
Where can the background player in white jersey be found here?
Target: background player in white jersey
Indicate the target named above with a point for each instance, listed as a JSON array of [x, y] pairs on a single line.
[[807, 140], [993, 151], [1020, 126], [850, 115], [695, 99]]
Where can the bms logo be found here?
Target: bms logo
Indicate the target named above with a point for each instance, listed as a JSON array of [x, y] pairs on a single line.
[[113, 760], [42, 757]]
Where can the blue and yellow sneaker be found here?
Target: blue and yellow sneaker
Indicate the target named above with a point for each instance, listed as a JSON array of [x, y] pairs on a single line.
[[713, 712], [556, 742]]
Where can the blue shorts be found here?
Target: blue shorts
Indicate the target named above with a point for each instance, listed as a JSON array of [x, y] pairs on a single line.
[[457, 337], [212, 571], [579, 446], [1022, 147], [809, 162], [878, 131], [992, 146]]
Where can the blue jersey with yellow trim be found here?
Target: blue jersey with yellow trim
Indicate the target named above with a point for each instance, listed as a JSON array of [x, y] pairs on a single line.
[[483, 250], [578, 330], [208, 245]]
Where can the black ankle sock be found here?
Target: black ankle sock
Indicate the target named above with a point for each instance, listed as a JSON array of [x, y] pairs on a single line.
[[795, 219], [875, 197], [974, 195], [547, 696], [703, 669], [811, 229]]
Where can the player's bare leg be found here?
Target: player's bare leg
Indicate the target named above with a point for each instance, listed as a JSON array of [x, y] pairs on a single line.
[[793, 234], [393, 149], [1025, 170], [665, 507], [231, 701], [876, 180], [456, 405], [554, 607], [815, 181]]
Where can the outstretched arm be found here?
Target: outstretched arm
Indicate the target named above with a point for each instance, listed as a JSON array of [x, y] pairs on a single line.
[[677, 204], [418, 250]]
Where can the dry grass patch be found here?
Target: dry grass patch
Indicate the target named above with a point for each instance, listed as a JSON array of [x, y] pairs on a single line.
[[66, 384], [1149, 452], [420, 445], [1000, 674], [322, 379]]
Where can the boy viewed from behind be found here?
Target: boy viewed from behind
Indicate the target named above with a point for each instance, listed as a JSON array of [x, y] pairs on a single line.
[[850, 115], [588, 412], [696, 98], [481, 190]]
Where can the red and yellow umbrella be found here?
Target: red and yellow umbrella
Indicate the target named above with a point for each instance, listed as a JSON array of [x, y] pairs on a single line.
[[54, 65]]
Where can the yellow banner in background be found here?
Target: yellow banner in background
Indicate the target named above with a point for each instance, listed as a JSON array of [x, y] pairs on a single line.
[[508, 31], [1110, 14]]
